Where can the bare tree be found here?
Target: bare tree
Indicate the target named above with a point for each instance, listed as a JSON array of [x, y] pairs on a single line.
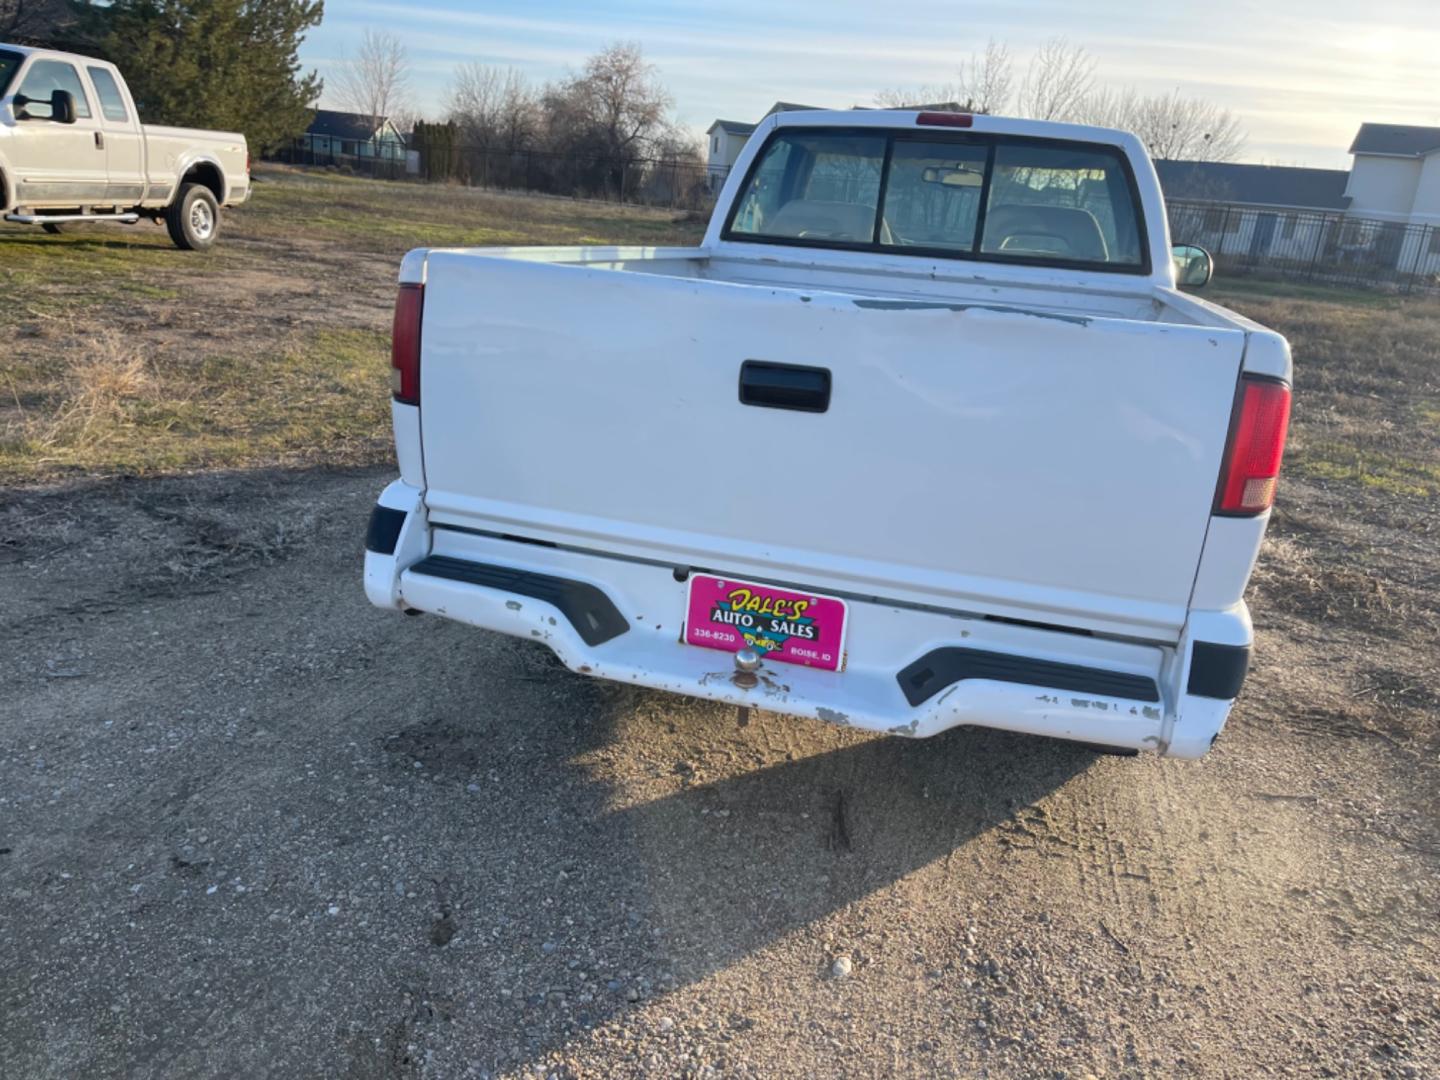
[[405, 118], [375, 82], [1172, 127], [982, 85], [493, 107], [1060, 84], [929, 94], [1178, 128], [1059, 78], [985, 79], [616, 106]]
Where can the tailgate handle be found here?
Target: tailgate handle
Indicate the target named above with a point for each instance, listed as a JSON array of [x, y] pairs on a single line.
[[784, 386]]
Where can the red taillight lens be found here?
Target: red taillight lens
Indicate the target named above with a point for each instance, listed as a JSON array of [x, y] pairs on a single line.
[[1252, 464], [405, 344], [945, 119]]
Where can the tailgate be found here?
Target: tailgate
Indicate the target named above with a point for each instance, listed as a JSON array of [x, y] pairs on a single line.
[[1048, 468]]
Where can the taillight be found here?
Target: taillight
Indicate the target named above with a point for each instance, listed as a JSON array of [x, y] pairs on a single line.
[[945, 119], [1257, 442], [405, 345]]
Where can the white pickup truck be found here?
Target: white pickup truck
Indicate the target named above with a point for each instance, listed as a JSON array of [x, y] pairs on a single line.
[[922, 435], [72, 149]]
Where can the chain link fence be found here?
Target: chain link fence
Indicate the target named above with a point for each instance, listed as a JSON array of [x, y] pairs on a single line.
[[1308, 246], [678, 184]]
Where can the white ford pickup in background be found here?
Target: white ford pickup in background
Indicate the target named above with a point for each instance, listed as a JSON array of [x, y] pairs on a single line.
[[922, 435], [72, 149]]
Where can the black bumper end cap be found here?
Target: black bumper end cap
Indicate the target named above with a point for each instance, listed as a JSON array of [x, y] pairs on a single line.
[[383, 532], [1217, 671]]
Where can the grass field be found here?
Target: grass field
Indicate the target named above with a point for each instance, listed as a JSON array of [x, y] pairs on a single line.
[[130, 357]]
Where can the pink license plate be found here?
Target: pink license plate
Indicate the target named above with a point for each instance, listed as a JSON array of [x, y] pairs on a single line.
[[798, 628]]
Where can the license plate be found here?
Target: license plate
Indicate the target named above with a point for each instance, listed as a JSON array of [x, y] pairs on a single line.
[[797, 628]]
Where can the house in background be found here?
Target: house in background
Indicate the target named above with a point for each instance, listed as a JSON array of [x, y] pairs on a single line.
[[1396, 173], [1384, 211], [726, 138], [1259, 211], [339, 135]]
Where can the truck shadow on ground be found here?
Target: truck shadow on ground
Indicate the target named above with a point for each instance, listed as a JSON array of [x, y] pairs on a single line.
[[86, 237], [610, 889]]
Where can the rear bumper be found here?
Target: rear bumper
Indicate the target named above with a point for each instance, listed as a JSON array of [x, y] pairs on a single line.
[[909, 671]]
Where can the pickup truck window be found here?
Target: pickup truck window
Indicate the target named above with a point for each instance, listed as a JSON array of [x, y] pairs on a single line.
[[112, 101], [9, 63], [46, 76], [815, 187], [961, 196]]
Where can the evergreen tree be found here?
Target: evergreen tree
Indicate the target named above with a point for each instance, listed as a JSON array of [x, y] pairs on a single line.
[[224, 64], [436, 146]]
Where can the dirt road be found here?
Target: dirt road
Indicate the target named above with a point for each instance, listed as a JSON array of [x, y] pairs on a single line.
[[251, 827]]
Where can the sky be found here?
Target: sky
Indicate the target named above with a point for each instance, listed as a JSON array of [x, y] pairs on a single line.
[[1302, 76]]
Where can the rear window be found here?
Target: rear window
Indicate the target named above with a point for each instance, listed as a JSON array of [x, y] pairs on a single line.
[[966, 196]]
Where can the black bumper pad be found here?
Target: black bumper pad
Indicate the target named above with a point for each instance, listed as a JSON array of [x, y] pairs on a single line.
[[939, 668], [1218, 671], [590, 611], [384, 530]]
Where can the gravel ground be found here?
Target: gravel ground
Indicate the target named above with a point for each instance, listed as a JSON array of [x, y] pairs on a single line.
[[251, 827]]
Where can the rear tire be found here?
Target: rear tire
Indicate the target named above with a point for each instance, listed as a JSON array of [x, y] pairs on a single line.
[[54, 228], [193, 218]]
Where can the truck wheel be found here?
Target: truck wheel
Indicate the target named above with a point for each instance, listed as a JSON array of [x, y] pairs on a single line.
[[193, 218]]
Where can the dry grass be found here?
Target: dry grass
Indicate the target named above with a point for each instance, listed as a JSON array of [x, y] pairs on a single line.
[[99, 387], [129, 357], [1352, 560], [1293, 577]]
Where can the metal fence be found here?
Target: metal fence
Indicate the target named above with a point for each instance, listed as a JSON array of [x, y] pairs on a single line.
[[1301, 245], [380, 168], [643, 181]]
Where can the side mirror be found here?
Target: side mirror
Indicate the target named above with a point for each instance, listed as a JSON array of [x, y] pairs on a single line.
[[62, 107], [1193, 265]]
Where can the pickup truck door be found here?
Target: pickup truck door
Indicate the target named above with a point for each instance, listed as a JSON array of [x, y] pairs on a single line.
[[124, 145], [57, 164]]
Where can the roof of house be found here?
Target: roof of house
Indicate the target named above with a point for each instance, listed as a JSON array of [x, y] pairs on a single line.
[[734, 127], [1262, 185], [1396, 140], [345, 125], [790, 106], [737, 127]]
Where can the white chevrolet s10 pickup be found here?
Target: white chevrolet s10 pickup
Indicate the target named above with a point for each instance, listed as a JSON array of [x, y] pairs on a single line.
[[922, 435]]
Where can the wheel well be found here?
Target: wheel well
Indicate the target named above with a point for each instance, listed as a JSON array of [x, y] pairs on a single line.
[[207, 174]]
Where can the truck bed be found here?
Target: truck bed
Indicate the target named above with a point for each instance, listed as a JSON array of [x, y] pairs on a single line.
[[881, 279]]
